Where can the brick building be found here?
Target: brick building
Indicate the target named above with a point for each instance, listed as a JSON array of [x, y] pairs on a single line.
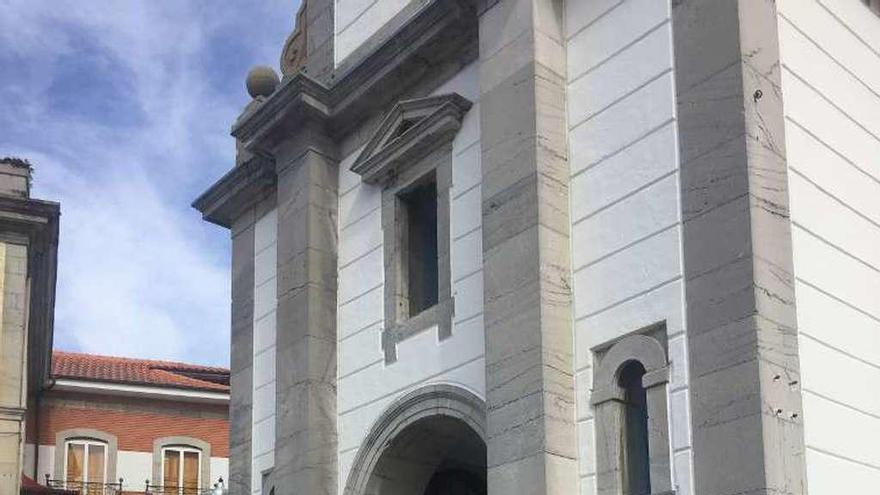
[[154, 425]]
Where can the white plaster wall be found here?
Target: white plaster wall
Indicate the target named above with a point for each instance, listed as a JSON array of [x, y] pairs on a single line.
[[626, 225], [366, 385], [45, 462], [28, 458], [265, 288], [830, 52], [134, 468], [357, 20], [219, 469]]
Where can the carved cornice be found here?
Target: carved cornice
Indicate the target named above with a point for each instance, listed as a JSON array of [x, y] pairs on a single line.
[[235, 191], [429, 37], [411, 129], [298, 97], [438, 33]]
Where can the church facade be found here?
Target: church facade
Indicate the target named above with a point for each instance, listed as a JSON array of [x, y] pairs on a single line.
[[558, 246]]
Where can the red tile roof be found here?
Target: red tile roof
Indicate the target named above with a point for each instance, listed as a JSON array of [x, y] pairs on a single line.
[[139, 371]]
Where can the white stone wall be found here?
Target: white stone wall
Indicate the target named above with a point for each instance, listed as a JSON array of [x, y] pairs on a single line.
[[220, 469], [626, 224], [265, 288], [830, 52], [357, 20], [28, 458], [46, 462], [366, 384]]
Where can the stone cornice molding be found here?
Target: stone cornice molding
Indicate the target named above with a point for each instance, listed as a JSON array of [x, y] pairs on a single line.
[[428, 37], [12, 413], [297, 98], [435, 34], [410, 130], [235, 191]]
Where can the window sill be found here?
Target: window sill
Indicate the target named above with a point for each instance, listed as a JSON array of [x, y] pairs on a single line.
[[439, 315]]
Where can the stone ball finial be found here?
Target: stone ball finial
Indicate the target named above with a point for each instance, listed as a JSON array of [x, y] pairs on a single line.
[[261, 81]]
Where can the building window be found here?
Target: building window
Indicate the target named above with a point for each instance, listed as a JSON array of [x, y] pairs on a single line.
[[85, 465], [629, 401], [636, 464], [181, 465], [84, 459], [410, 157], [419, 212], [181, 470]]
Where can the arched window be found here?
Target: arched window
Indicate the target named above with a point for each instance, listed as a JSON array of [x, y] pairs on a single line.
[[181, 465], [629, 397], [181, 469], [85, 464], [85, 459], [636, 460]]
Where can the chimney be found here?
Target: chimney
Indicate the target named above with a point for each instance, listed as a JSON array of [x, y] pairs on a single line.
[[15, 177]]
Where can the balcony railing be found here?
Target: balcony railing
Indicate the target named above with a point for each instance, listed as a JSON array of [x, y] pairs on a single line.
[[88, 488], [181, 490], [85, 488]]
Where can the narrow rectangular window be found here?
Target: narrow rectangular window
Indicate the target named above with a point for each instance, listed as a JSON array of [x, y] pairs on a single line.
[[171, 468], [420, 207], [96, 466], [75, 462], [190, 472]]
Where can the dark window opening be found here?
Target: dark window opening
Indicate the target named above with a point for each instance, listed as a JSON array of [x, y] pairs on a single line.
[[420, 205], [636, 461]]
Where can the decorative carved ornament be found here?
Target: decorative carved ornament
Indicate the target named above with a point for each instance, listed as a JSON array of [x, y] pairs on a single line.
[[411, 129], [293, 56]]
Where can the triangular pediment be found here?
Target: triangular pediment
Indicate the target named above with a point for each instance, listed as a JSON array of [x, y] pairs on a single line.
[[410, 130]]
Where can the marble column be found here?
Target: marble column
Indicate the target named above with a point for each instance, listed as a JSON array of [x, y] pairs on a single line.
[[740, 300], [531, 440], [305, 424], [241, 358]]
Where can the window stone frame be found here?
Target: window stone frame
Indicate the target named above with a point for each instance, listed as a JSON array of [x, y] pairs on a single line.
[[607, 400], [64, 436], [181, 441], [399, 324], [413, 140]]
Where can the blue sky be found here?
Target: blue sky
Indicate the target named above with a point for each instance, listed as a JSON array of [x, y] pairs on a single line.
[[124, 108]]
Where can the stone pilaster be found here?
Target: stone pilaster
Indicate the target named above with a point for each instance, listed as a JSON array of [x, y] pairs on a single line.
[[242, 355], [13, 361], [531, 441], [305, 427], [742, 328]]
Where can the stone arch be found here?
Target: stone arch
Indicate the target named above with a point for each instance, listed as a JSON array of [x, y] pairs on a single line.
[[642, 348], [445, 404]]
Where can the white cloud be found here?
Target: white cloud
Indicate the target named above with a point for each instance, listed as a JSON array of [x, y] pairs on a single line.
[[124, 108]]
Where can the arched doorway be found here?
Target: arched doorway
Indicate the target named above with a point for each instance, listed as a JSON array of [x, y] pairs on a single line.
[[430, 442]]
